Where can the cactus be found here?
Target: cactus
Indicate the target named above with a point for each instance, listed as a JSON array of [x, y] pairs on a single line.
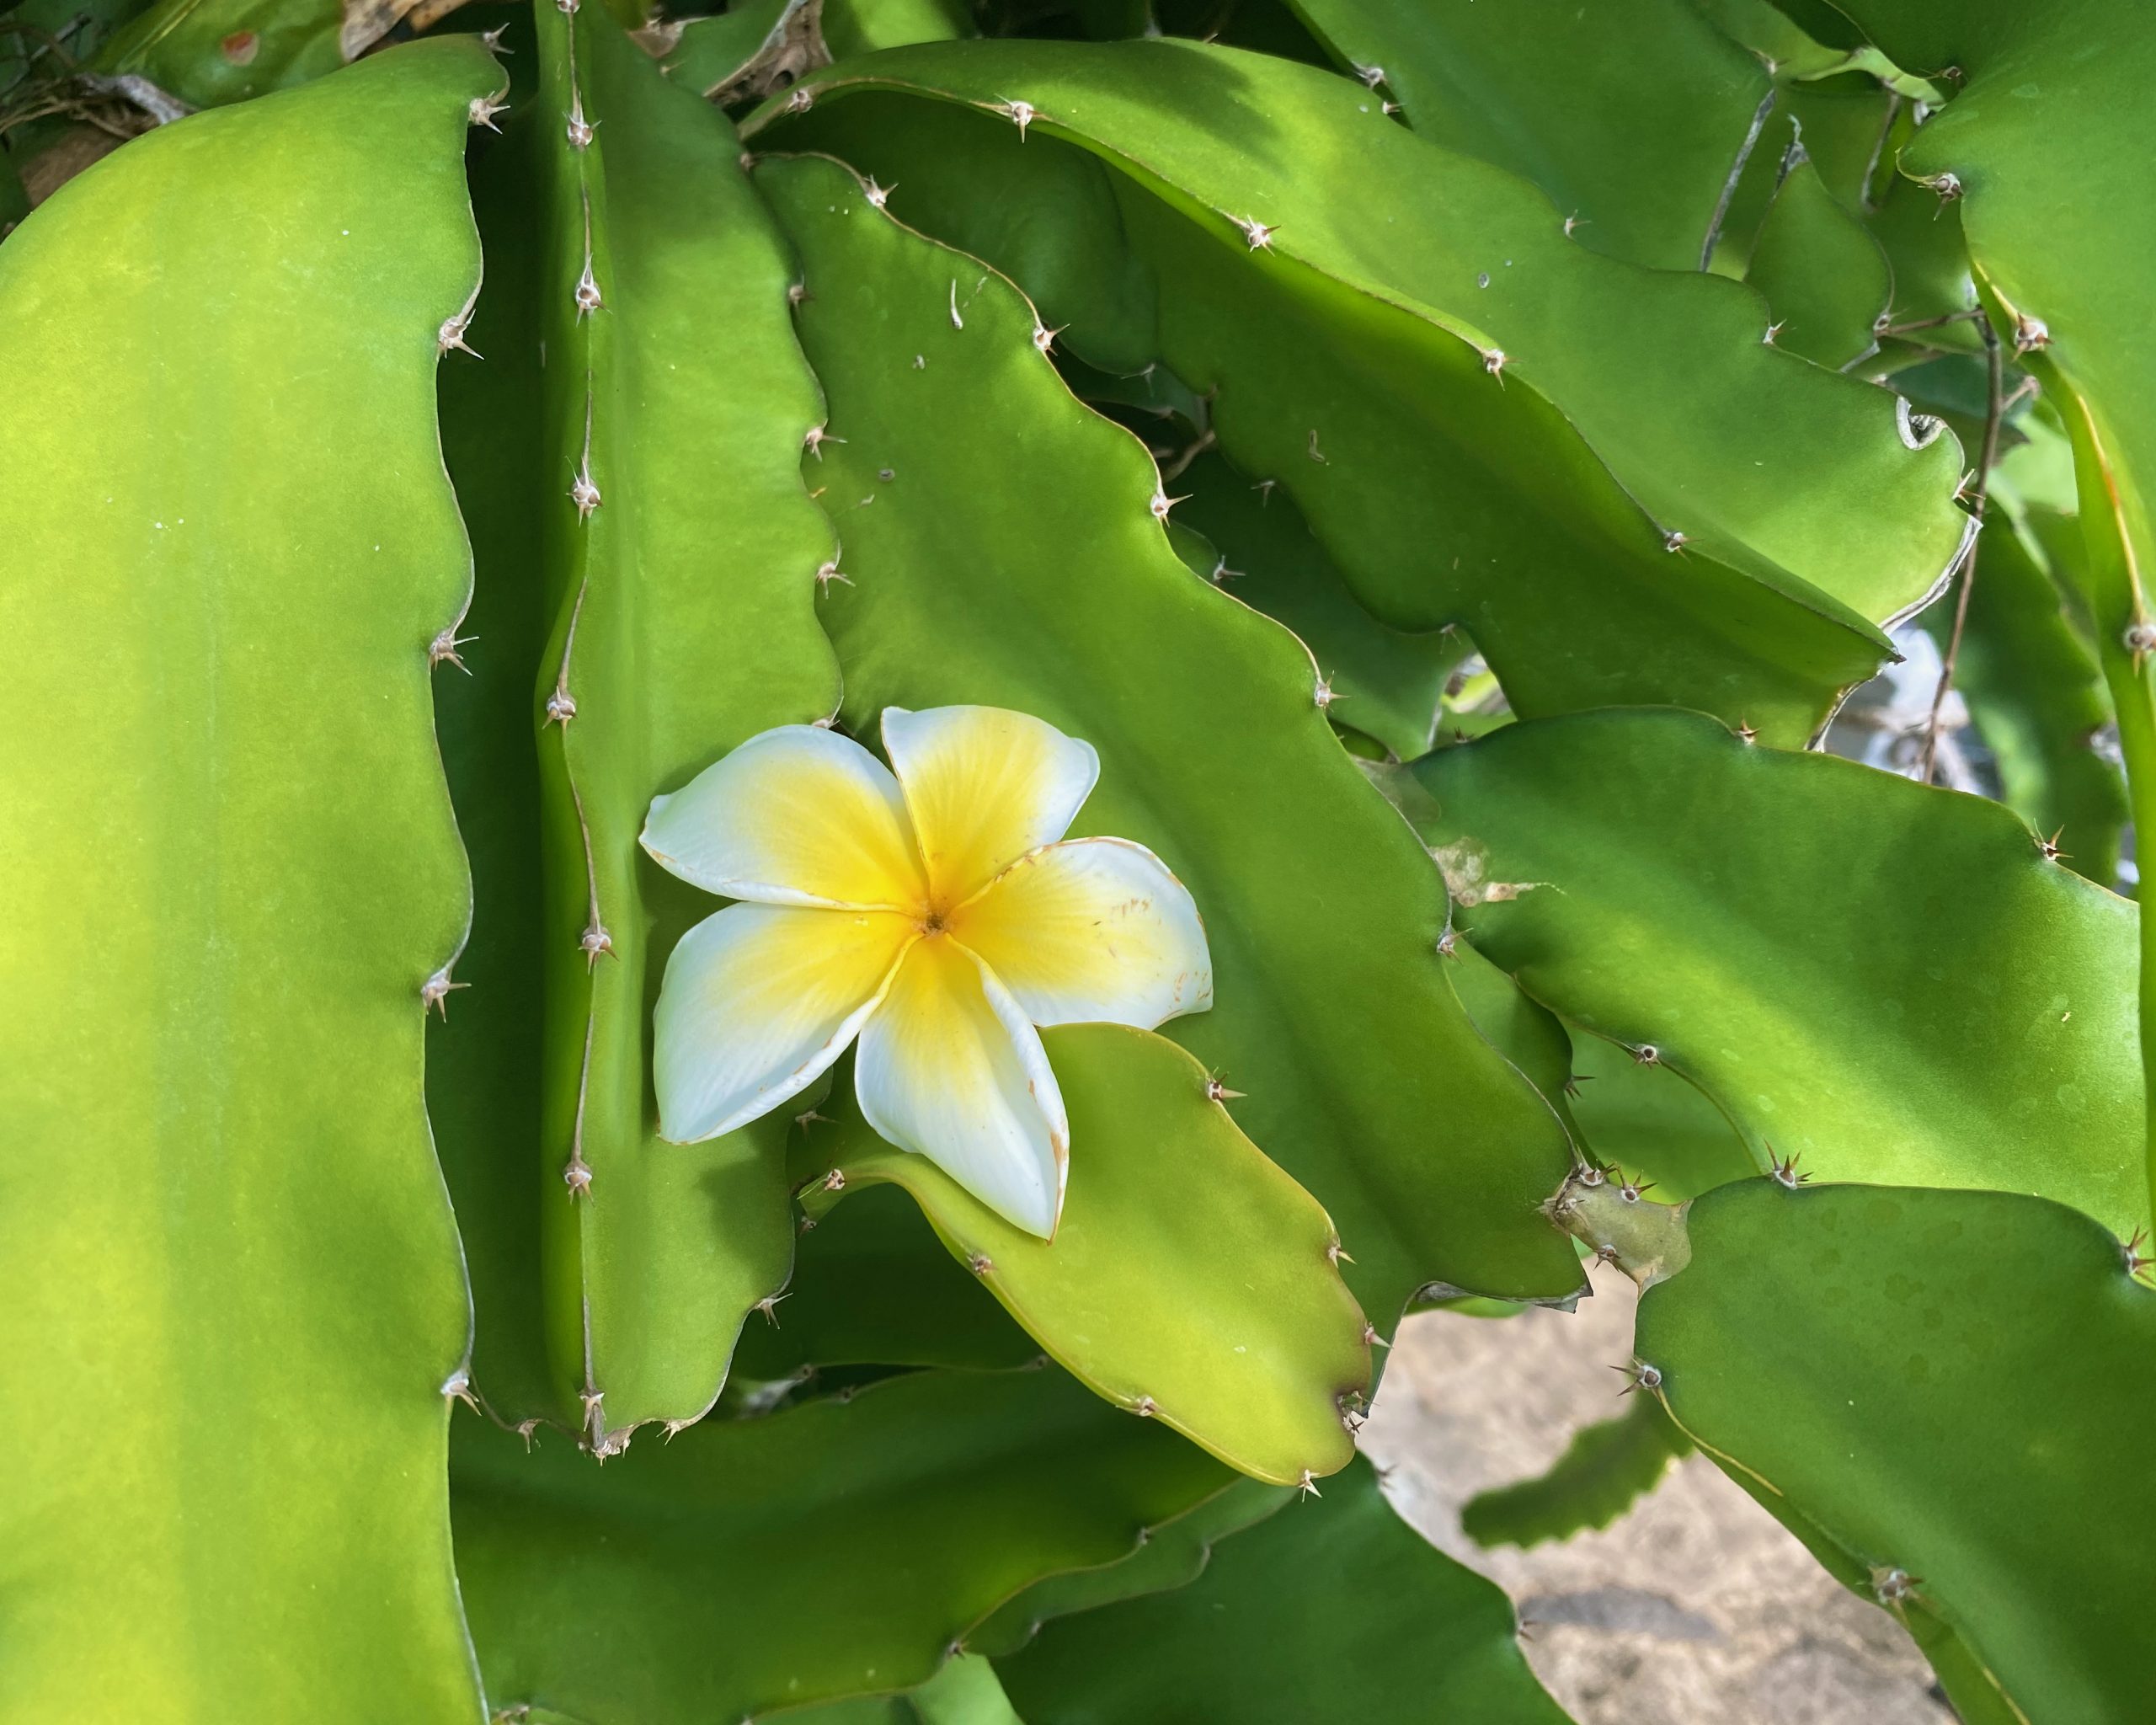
[[1174, 1557], [1827, 280], [238, 1320], [2031, 679], [1611, 492], [1391, 683], [2062, 300], [1203, 712], [1390, 465], [207, 53], [1832, 1346], [1418, 1636], [662, 633], [1634, 124], [1898, 1056], [848, 1544], [1228, 1322]]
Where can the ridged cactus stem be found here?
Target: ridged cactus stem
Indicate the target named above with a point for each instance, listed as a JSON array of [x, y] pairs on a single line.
[[654, 610], [2126, 624], [586, 499], [2126, 640]]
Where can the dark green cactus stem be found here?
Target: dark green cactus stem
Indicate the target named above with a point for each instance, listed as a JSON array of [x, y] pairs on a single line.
[[643, 456], [2049, 98], [1945, 1395], [844, 1548], [1275, 1632], [2125, 646]]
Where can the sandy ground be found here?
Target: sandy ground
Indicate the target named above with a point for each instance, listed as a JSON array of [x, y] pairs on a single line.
[[1693, 1609]]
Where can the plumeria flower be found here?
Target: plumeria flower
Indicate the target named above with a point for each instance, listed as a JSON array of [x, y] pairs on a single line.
[[932, 909]]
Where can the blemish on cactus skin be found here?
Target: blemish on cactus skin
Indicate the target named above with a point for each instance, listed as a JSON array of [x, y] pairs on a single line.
[[1464, 863], [1649, 1241]]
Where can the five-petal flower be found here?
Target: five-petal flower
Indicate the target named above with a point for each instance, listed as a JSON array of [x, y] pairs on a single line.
[[938, 915]]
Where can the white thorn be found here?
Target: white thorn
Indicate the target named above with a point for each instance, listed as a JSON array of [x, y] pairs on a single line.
[[587, 292], [880, 196], [482, 110], [444, 647], [452, 333], [582, 493], [1257, 232], [579, 129], [434, 992], [1023, 113]]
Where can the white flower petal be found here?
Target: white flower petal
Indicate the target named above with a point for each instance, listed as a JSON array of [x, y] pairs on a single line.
[[1092, 930], [797, 815], [758, 1000], [985, 785], [949, 1068]]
